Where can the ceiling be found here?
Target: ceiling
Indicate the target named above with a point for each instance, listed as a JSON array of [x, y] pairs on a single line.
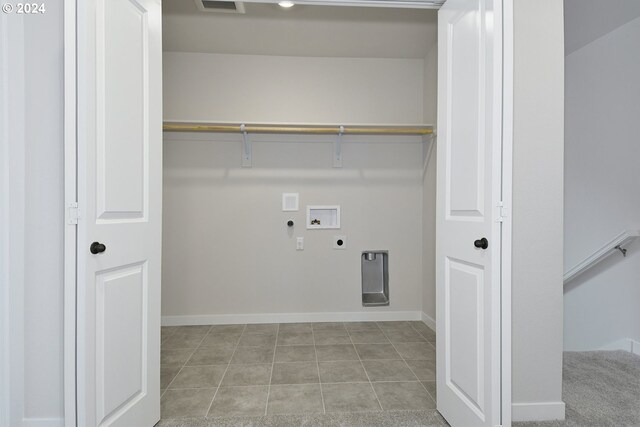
[[588, 20], [303, 30]]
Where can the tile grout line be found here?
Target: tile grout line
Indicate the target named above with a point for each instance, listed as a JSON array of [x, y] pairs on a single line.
[[273, 363], [298, 361], [185, 363], [161, 341], [365, 369], [179, 370], [403, 358], [432, 398], [289, 384], [422, 382], [315, 351], [420, 333], [225, 371]]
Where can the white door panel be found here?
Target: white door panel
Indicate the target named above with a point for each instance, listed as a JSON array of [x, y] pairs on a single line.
[[468, 338], [464, 284], [120, 335], [119, 194], [464, 112], [122, 110]]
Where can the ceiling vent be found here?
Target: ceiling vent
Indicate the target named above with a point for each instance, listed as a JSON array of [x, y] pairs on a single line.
[[220, 6]]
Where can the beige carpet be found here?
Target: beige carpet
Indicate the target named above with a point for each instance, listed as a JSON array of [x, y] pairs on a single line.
[[600, 389]]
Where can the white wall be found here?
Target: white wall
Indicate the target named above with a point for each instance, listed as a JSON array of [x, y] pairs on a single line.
[[537, 210], [430, 107], [587, 20], [226, 246], [11, 219], [251, 88], [236, 255], [430, 88], [601, 187], [306, 30], [34, 182]]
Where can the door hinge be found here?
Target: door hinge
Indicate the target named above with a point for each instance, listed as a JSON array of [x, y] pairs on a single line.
[[502, 213], [73, 213]]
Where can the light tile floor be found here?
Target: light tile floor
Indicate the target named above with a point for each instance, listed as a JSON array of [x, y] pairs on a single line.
[[296, 368]]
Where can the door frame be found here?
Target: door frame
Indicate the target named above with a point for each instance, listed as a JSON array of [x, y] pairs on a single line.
[[71, 145], [507, 200], [71, 211]]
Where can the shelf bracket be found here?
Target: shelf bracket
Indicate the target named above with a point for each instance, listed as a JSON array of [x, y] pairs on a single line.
[[337, 149], [622, 250], [246, 147]]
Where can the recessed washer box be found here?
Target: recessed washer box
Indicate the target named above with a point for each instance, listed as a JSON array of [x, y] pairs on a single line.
[[323, 217]]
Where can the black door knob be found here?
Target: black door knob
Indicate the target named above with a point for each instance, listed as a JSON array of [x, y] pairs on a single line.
[[97, 248], [481, 243]]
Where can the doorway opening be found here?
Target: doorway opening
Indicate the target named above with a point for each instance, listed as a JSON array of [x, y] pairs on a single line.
[[229, 254], [289, 170], [601, 371]]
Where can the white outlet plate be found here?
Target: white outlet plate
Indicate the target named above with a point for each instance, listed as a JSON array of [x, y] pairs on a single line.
[[341, 238], [300, 244], [290, 202]]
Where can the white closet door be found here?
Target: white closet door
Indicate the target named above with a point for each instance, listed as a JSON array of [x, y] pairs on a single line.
[[119, 195], [468, 233]]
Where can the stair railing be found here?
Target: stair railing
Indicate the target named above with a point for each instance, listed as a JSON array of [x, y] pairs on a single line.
[[618, 244]]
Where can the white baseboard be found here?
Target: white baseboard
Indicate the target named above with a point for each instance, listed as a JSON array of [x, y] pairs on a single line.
[[43, 422], [538, 411], [429, 321], [626, 344], [226, 319]]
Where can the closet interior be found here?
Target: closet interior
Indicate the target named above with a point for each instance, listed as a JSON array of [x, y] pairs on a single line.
[[335, 105], [298, 204]]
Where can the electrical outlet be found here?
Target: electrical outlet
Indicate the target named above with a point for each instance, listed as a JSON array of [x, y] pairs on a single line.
[[339, 242], [299, 243]]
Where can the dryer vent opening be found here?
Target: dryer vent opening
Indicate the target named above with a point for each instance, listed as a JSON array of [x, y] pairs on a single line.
[[220, 6]]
